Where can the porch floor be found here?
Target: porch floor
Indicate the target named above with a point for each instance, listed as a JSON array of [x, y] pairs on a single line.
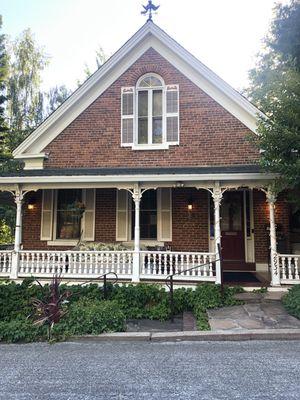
[[246, 278]]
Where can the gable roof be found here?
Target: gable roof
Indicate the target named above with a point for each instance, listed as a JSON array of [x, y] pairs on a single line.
[[148, 36]]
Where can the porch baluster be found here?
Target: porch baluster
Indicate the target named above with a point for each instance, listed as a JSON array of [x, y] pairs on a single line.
[[290, 268], [296, 268], [283, 267]]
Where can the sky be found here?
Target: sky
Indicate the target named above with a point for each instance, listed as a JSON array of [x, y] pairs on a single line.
[[224, 35]]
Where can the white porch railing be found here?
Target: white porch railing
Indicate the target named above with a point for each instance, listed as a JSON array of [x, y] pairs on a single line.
[[158, 265], [75, 264], [154, 265], [289, 268], [5, 263]]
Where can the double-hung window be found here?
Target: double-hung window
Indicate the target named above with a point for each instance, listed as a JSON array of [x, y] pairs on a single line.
[[150, 114]]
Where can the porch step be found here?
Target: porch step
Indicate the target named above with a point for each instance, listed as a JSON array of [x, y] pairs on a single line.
[[250, 297]]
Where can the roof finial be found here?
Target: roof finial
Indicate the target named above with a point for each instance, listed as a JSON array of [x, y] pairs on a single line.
[[148, 9]]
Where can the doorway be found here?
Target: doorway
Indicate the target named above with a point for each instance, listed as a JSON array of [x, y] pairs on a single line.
[[233, 232]]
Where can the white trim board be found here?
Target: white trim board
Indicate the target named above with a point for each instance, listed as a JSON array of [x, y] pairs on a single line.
[[149, 36], [244, 178]]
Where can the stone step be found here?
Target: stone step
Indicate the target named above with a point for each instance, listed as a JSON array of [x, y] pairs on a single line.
[[255, 297]]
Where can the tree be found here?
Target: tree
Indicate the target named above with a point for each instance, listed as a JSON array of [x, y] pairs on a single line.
[[27, 61], [100, 59], [55, 97], [24, 99], [4, 151], [275, 88]]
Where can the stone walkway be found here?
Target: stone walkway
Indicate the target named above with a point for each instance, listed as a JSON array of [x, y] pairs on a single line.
[[259, 315]]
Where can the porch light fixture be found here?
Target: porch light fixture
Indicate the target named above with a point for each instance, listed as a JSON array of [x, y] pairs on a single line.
[[31, 203], [190, 204]]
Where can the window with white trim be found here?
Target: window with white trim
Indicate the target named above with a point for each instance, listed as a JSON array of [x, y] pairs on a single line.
[[155, 215], [68, 215], [68, 220], [150, 114]]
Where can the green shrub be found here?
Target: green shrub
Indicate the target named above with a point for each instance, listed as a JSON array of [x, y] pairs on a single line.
[[201, 318], [15, 299], [21, 330], [88, 313], [6, 236], [91, 317], [291, 301], [136, 301]]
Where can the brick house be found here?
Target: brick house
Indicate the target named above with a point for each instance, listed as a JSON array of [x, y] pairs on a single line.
[[155, 147]]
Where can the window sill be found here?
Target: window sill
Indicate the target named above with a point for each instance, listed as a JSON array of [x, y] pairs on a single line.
[[163, 146], [62, 242], [145, 243]]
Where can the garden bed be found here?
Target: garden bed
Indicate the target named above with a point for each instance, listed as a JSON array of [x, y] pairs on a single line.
[[88, 313]]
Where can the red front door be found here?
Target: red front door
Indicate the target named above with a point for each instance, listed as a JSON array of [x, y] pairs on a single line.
[[232, 228]]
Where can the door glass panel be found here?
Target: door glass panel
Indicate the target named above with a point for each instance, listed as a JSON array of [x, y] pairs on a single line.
[[248, 214], [143, 117], [231, 212]]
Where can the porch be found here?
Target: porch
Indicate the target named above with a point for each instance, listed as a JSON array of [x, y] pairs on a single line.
[[195, 212], [187, 267]]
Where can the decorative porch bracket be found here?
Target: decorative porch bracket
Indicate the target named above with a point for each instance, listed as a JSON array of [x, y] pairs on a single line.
[[271, 200]]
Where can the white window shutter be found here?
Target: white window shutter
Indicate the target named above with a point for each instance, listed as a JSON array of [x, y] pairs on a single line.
[[172, 114], [127, 115], [165, 214], [47, 215], [88, 218], [122, 216]]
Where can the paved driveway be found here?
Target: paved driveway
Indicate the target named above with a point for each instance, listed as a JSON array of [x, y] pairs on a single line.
[[202, 370]]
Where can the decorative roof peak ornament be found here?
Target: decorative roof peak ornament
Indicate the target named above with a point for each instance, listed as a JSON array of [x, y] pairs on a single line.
[[148, 9]]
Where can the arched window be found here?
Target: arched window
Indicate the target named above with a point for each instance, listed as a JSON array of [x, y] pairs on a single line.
[[150, 115], [150, 110]]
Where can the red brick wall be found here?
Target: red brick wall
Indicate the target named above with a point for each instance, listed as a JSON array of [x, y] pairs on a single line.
[[209, 135], [261, 224], [190, 230], [105, 219]]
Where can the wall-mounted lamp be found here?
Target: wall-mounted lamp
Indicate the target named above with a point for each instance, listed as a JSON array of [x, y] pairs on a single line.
[[190, 204], [31, 203]]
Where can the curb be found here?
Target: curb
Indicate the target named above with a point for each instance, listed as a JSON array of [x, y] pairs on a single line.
[[204, 336]]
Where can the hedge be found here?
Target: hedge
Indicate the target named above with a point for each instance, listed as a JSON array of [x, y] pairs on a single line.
[[291, 301]]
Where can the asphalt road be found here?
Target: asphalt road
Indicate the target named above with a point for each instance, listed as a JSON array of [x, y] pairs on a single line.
[[143, 370]]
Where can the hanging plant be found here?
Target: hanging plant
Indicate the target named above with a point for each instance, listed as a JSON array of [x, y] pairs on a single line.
[[77, 208]]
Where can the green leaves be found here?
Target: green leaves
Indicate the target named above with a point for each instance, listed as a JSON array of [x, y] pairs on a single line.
[[275, 89], [89, 313], [291, 301]]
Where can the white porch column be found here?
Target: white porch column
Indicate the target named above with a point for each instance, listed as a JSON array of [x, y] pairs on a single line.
[[275, 273], [17, 247], [217, 198], [136, 195]]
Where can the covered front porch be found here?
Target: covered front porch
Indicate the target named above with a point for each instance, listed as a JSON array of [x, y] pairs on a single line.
[[169, 222]]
